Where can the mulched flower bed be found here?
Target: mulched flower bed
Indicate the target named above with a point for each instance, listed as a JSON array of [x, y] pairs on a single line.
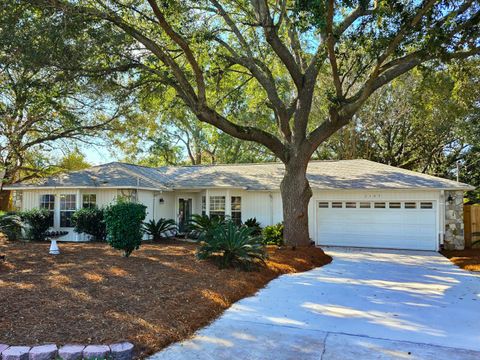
[[468, 259], [90, 294]]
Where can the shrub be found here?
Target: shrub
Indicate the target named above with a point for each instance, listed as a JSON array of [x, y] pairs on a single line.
[[90, 221], [254, 225], [273, 234], [232, 246], [159, 229], [201, 225], [38, 222], [124, 221], [11, 225]]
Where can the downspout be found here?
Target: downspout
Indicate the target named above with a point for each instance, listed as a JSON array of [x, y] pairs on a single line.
[[271, 208], [441, 216]]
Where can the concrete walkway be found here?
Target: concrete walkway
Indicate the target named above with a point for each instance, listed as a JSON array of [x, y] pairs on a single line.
[[367, 304]]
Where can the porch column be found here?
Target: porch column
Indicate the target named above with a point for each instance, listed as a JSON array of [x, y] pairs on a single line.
[[228, 204], [207, 202], [78, 206]]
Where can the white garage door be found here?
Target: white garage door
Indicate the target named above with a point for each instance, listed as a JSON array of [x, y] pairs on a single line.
[[396, 224]]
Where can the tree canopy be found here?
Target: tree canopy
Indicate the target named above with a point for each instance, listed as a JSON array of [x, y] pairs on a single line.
[[252, 68], [45, 106]]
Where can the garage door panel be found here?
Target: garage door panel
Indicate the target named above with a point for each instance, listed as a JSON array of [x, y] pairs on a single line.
[[383, 228]]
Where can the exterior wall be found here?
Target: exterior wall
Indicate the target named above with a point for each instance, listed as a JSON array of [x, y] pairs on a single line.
[[266, 206], [454, 227], [146, 198], [164, 205], [31, 199], [104, 197]]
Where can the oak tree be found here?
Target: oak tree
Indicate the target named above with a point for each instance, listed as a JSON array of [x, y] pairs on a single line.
[[209, 51]]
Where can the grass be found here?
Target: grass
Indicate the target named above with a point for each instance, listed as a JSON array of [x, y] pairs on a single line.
[[91, 294], [468, 259]]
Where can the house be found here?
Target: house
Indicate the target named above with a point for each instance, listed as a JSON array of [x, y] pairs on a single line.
[[354, 203]]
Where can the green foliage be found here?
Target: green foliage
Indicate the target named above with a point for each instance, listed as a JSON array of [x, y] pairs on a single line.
[[273, 234], [43, 104], [38, 222], [124, 225], [232, 246], [202, 225], [159, 229], [11, 225], [425, 121], [73, 161], [254, 225], [90, 221]]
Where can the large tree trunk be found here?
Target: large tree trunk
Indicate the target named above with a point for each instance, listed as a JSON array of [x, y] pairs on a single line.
[[296, 194], [4, 199]]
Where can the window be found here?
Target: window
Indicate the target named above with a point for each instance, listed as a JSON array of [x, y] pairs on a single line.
[[337, 205], [365, 205], [426, 205], [410, 205], [237, 210], [47, 201], [394, 205], [217, 206], [204, 205], [379, 205], [67, 208], [351, 205], [323, 204], [89, 200]]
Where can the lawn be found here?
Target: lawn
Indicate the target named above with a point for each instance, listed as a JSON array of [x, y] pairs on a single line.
[[468, 259], [91, 294]]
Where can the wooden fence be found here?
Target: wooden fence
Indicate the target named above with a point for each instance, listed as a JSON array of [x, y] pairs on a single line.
[[471, 220]]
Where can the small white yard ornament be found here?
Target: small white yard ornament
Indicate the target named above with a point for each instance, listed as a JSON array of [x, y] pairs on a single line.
[[54, 250]]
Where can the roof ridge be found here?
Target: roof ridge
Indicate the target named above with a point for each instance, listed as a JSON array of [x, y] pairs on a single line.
[[254, 163]]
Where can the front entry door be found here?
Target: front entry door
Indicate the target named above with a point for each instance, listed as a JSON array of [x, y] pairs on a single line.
[[184, 213]]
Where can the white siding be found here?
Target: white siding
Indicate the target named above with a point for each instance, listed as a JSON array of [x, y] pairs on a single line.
[[266, 206], [260, 205], [31, 199], [166, 208]]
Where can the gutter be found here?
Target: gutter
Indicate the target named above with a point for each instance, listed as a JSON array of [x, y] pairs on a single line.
[[82, 187]]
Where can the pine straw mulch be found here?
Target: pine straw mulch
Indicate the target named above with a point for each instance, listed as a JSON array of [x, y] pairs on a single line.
[[468, 259], [91, 294]]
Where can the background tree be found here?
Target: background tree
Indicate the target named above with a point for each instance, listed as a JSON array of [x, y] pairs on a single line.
[[424, 121], [42, 105], [170, 135], [213, 52]]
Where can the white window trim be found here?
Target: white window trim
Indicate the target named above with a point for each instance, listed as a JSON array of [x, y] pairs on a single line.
[[58, 212]]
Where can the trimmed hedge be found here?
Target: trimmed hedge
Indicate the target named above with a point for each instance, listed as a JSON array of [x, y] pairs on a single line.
[[90, 221], [124, 224]]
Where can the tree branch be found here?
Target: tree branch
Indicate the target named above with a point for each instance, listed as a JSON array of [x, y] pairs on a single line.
[[270, 30]]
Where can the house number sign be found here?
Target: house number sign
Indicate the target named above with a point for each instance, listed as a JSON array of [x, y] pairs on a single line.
[[372, 196]]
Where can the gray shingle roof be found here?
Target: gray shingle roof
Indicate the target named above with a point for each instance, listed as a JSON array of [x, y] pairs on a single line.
[[341, 174], [109, 175]]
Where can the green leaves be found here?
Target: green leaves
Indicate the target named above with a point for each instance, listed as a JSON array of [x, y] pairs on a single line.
[[159, 229], [38, 222], [124, 222], [90, 221], [273, 234], [232, 246], [11, 225]]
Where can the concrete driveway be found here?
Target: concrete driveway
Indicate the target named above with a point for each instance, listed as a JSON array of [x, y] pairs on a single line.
[[367, 304]]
